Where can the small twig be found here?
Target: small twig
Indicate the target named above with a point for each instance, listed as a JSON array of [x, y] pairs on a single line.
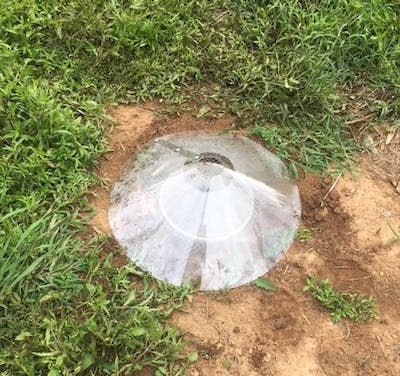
[[122, 146], [216, 328], [354, 191], [286, 269], [146, 108], [380, 344], [347, 332], [389, 138], [363, 361], [331, 188], [305, 318], [206, 311], [359, 120], [184, 310], [96, 230], [360, 278]]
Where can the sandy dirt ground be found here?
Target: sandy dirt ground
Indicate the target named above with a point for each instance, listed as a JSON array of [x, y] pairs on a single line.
[[247, 331]]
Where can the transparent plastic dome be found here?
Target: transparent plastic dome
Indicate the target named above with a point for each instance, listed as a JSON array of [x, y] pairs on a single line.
[[215, 211]]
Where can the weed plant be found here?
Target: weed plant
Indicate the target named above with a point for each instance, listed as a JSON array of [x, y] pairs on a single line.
[[355, 307]]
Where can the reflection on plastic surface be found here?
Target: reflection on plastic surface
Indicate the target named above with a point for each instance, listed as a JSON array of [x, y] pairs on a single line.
[[216, 211]]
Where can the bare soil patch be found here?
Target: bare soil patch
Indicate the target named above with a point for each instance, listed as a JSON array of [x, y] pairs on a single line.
[[246, 331]]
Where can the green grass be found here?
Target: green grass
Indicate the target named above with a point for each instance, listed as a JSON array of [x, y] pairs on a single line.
[[286, 69], [304, 234], [355, 307]]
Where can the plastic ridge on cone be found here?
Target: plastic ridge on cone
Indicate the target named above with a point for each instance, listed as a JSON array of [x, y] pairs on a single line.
[[215, 211]]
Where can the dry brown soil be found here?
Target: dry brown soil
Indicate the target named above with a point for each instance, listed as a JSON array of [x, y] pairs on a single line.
[[247, 331]]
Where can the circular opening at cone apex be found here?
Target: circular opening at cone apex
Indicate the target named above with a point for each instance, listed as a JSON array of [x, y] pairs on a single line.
[[214, 158]]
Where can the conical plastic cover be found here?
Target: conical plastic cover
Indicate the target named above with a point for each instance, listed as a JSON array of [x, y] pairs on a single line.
[[212, 210]]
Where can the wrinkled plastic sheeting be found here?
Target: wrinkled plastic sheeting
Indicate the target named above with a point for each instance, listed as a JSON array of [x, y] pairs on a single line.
[[215, 211]]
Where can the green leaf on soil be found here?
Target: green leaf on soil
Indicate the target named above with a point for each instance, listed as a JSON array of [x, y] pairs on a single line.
[[192, 357], [264, 284]]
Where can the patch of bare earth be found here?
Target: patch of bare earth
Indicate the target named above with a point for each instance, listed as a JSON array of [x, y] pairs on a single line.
[[246, 331]]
